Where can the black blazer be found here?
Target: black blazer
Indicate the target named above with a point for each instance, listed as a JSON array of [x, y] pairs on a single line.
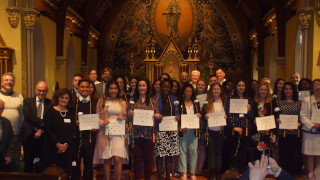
[[182, 110], [31, 121], [7, 142]]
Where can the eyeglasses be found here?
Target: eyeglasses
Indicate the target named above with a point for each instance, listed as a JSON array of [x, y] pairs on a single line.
[[316, 86], [62, 97], [41, 90]]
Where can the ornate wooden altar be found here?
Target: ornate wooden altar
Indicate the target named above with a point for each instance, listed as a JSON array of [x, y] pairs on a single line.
[[171, 60]]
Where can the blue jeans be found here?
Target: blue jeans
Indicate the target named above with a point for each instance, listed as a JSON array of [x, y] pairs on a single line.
[[189, 144]]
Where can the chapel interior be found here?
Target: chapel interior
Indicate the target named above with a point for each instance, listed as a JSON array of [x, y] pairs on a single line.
[[53, 39]]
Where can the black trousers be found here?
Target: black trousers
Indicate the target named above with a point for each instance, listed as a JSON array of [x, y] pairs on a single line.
[[215, 146], [238, 156], [86, 152], [32, 149], [287, 150]]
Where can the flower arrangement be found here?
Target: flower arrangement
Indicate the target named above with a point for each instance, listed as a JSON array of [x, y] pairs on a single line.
[[274, 96], [277, 109], [265, 143]]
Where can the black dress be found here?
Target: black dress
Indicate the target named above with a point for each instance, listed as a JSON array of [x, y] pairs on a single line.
[[59, 128]]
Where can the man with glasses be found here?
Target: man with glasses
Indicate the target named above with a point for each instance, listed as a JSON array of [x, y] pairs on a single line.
[[35, 111], [13, 112]]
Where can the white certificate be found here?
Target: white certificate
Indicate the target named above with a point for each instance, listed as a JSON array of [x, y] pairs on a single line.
[[217, 119], [115, 127], [303, 94], [266, 122], [88, 122], [143, 117], [239, 106], [202, 98], [288, 121], [190, 121], [168, 123]]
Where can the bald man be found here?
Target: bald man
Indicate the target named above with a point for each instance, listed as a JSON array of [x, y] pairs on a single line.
[[35, 111]]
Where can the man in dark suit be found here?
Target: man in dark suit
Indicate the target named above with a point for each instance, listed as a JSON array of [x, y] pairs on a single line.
[[106, 78], [7, 143], [75, 81], [35, 111], [84, 140]]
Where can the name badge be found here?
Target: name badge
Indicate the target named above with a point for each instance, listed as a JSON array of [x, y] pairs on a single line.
[[67, 121]]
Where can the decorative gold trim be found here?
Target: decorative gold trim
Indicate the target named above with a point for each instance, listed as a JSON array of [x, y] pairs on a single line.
[[13, 14], [30, 17], [304, 17], [317, 14]]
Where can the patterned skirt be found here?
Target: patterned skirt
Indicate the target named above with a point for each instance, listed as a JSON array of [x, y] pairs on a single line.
[[167, 145]]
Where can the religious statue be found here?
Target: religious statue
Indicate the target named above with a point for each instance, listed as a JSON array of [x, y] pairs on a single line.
[[173, 14]]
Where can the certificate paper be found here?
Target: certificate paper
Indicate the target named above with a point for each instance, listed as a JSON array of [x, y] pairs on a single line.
[[88, 122], [266, 122], [168, 123], [190, 121], [202, 98], [216, 119], [115, 127], [288, 121], [143, 117], [303, 94], [239, 106]]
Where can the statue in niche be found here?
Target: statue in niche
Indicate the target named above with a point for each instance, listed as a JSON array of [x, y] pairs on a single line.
[[173, 15]]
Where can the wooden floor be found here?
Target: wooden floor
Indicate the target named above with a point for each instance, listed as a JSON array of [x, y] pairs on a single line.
[[128, 175]]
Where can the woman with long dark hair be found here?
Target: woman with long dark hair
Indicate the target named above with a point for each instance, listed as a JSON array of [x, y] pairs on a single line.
[[111, 108], [278, 88], [188, 137], [156, 89], [143, 136], [240, 125], [215, 103], [289, 104], [122, 83]]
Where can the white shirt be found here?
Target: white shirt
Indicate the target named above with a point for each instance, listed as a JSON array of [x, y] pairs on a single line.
[[76, 92], [82, 99], [190, 110], [218, 107], [38, 101]]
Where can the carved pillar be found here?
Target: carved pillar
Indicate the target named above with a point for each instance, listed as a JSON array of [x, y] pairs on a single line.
[[30, 18], [304, 21], [260, 72], [150, 67]]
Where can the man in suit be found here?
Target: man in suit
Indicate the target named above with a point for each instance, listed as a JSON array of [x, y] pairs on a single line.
[[93, 76], [7, 143], [85, 140], [75, 81], [35, 111], [106, 78], [221, 75]]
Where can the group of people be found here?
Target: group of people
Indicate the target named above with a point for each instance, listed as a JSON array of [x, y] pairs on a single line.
[[49, 130]]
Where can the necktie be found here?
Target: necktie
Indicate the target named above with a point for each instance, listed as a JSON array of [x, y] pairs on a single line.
[[39, 110]]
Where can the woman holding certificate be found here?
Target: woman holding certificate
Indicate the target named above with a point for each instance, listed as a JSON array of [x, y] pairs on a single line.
[[143, 135], [215, 107], [188, 137], [265, 107], [240, 116], [167, 142], [60, 129], [310, 113], [289, 106], [111, 146]]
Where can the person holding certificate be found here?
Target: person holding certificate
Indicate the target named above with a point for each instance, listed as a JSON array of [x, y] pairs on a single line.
[[310, 113], [188, 137], [264, 105], [289, 104], [60, 130], [85, 140], [111, 147], [167, 142], [143, 136], [240, 124], [201, 96], [215, 140]]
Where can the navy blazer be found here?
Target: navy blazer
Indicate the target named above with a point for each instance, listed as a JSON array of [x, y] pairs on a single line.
[[31, 121]]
